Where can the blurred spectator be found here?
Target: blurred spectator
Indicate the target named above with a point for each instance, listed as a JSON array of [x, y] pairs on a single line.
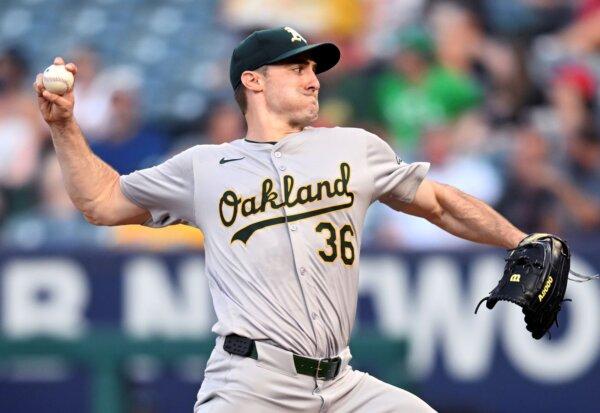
[[93, 101], [346, 92], [543, 197], [457, 35], [222, 122], [471, 174], [583, 36], [54, 222], [462, 48], [384, 18], [577, 185], [527, 202], [130, 143], [21, 132], [417, 92], [573, 97]]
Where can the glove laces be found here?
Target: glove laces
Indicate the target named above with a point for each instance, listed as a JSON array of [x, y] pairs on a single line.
[[581, 278]]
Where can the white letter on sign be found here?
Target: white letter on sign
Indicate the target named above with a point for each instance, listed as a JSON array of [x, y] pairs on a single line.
[[154, 306], [444, 314], [44, 296]]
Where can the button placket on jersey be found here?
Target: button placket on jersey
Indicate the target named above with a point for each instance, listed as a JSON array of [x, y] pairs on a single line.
[[293, 230], [277, 161]]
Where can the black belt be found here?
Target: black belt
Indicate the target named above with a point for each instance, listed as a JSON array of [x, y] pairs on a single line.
[[322, 369]]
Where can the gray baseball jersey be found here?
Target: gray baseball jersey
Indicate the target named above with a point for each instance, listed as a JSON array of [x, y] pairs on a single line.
[[282, 225]]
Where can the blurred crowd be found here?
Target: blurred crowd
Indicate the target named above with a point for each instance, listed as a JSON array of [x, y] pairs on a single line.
[[500, 96]]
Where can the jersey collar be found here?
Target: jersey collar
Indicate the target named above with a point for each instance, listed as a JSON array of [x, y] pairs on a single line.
[[270, 143], [281, 141]]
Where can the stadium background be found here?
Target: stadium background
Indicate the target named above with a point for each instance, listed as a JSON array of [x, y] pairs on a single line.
[[501, 96]]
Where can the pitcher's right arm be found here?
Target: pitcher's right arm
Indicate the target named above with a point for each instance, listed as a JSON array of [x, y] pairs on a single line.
[[92, 185]]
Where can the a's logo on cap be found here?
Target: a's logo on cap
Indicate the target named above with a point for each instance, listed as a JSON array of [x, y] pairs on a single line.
[[296, 37]]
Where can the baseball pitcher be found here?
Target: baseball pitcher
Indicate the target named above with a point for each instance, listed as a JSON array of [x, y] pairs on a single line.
[[282, 211]]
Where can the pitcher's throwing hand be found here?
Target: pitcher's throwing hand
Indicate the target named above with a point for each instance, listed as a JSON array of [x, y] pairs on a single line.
[[55, 108]]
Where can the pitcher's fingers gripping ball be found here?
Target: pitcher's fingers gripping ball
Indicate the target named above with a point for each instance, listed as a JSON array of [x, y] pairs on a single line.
[[54, 88], [57, 79]]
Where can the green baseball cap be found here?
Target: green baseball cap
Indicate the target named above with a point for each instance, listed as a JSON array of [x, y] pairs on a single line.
[[270, 46]]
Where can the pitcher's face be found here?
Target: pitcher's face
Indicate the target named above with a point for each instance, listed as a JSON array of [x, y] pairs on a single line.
[[292, 90]]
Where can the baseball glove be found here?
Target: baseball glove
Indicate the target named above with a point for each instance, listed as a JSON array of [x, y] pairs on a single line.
[[535, 278]]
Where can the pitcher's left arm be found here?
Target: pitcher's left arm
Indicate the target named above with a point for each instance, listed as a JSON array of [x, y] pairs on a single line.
[[459, 214]]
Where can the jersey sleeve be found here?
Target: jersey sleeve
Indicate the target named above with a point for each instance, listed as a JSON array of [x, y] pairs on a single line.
[[165, 190], [391, 175]]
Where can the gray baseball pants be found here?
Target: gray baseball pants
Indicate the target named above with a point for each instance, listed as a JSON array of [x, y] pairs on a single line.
[[234, 384]]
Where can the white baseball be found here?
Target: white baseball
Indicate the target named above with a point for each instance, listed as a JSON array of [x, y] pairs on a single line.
[[57, 79]]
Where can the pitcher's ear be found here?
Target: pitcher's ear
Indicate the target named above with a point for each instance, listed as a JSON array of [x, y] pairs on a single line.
[[252, 80]]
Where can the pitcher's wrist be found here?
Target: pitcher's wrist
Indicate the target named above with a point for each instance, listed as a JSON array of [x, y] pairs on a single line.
[[63, 126]]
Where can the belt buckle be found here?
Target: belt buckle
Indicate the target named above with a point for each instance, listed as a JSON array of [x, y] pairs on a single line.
[[328, 375], [318, 370]]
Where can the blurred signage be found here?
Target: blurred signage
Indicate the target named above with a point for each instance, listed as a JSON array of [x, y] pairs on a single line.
[[455, 355]]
